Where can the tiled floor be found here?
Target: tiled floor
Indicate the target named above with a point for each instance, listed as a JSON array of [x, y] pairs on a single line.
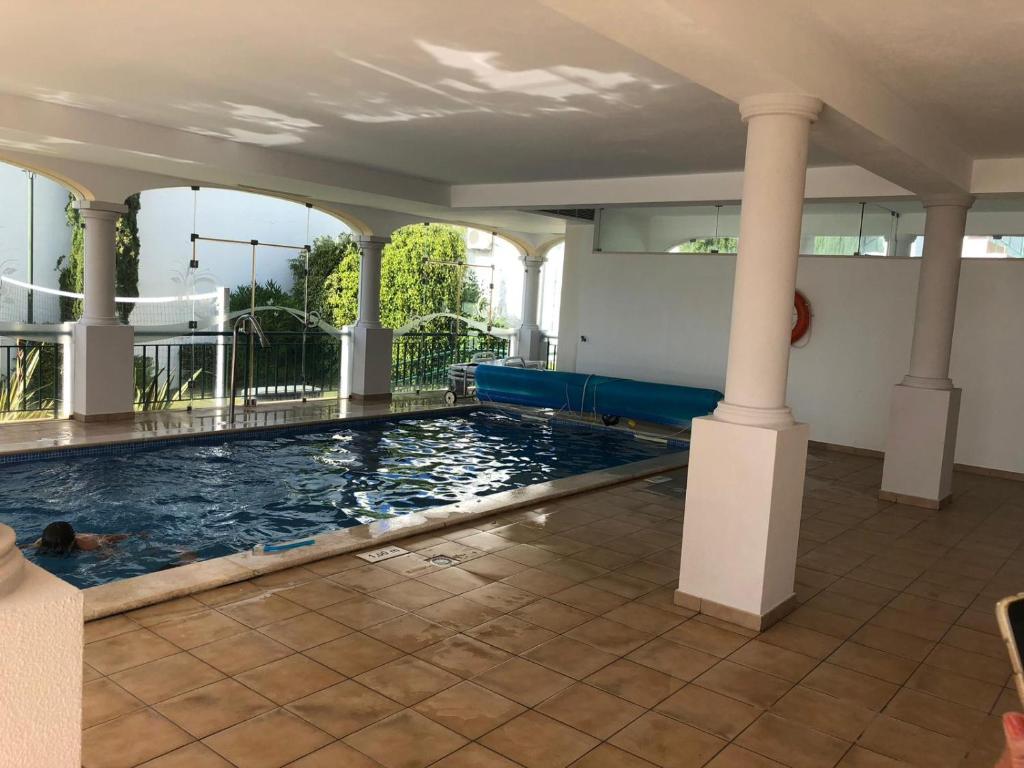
[[555, 642]]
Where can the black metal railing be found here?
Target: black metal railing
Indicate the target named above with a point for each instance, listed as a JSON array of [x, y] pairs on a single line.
[[31, 380], [185, 370], [420, 361], [551, 351]]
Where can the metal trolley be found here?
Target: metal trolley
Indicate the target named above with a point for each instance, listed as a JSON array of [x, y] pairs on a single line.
[[462, 376]]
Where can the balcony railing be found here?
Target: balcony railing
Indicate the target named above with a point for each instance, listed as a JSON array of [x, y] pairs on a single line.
[[420, 361], [551, 351], [31, 380]]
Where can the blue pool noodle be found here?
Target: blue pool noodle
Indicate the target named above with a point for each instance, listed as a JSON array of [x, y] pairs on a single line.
[[589, 393]]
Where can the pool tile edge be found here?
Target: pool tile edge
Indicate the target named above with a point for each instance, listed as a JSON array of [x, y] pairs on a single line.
[[160, 586]]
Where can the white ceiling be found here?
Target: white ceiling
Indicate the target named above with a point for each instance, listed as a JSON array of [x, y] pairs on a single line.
[[459, 91], [960, 60]]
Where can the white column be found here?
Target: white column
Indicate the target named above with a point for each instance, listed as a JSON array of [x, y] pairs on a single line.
[[925, 407], [530, 336], [103, 356], [41, 664], [747, 461], [579, 247], [371, 343], [902, 246]]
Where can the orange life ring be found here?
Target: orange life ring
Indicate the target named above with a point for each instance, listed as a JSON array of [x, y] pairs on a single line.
[[803, 318]]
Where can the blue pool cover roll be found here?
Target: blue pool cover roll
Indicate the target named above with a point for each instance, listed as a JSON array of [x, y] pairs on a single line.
[[590, 393]]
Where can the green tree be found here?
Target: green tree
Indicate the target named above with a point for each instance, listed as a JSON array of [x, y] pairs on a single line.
[[708, 245], [325, 257], [422, 273], [71, 265], [268, 293]]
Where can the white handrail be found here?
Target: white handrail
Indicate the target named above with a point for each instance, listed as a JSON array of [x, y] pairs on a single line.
[[119, 299]]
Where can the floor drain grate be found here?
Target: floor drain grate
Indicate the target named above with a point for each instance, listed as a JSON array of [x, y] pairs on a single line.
[[443, 560]]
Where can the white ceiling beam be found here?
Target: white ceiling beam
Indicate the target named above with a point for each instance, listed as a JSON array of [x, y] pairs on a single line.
[[739, 48], [847, 182]]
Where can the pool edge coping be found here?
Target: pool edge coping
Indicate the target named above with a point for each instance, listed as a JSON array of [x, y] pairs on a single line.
[[160, 586]]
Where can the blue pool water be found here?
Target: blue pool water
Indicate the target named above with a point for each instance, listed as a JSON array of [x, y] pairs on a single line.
[[216, 498]]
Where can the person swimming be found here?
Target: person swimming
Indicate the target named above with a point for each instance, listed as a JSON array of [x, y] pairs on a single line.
[[60, 538]]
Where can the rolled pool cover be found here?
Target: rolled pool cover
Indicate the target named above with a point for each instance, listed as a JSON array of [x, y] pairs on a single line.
[[590, 393]]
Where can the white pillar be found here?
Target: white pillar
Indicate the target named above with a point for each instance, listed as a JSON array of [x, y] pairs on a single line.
[[103, 365], [371, 344], [530, 337], [747, 461], [579, 248], [925, 406], [222, 325], [902, 246], [41, 664]]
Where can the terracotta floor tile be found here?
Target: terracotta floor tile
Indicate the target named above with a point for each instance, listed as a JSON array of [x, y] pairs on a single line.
[[792, 744], [163, 678], [591, 710], [127, 650], [673, 659], [261, 610], [588, 598], [538, 582], [353, 654], [367, 578], [744, 684], [667, 742], [935, 714], [469, 709], [317, 594], [101, 629], [409, 633], [885, 666], [789, 665], [406, 740], [858, 757], [892, 641], [738, 757], [411, 594], [285, 578], [333, 565], [635, 682], [454, 580], [194, 755], [709, 711], [487, 542], [241, 652], [492, 566], [214, 707], [523, 681], [850, 685], [824, 621], [953, 687], [289, 678], [607, 756], [968, 664], [229, 593], [336, 755], [361, 612], [344, 708], [528, 554], [919, 626], [198, 629], [705, 637], [407, 680], [305, 631], [975, 641], [552, 615], [89, 673], [570, 657], [536, 741], [458, 613], [837, 717], [610, 636], [463, 656], [130, 739], [474, 756], [510, 634], [268, 741], [103, 700], [903, 741], [500, 597], [817, 645], [644, 618]]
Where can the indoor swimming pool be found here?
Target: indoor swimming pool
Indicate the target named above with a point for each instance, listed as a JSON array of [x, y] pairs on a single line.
[[209, 496]]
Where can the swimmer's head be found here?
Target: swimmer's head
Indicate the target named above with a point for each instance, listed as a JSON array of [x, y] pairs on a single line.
[[57, 539]]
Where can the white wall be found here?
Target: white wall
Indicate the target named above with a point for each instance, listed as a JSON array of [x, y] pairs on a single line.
[[665, 317], [165, 224], [52, 235]]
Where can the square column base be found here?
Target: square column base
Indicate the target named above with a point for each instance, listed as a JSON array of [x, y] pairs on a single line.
[[41, 672], [744, 493], [530, 344], [918, 468], [104, 372], [371, 363]]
